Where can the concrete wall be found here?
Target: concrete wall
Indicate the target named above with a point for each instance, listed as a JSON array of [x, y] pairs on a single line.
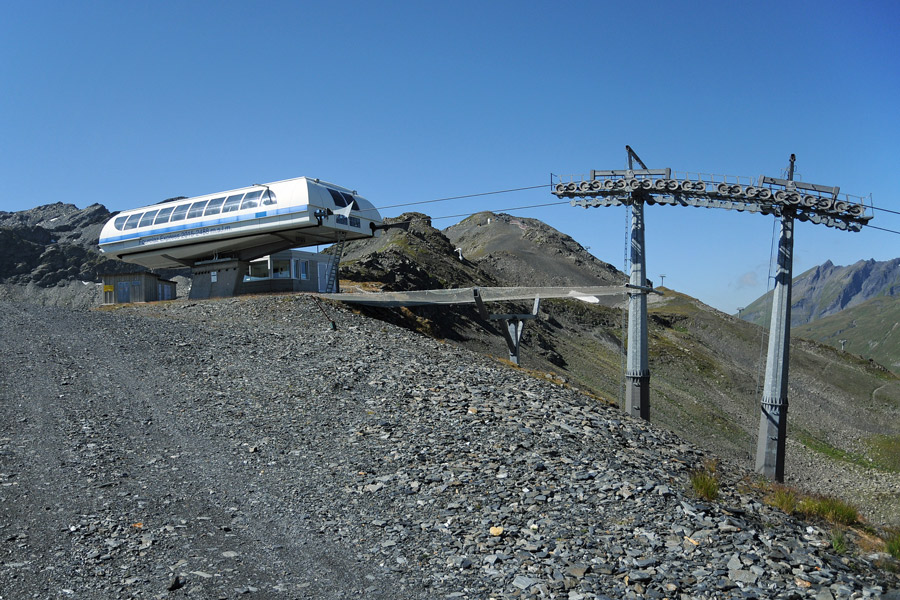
[[219, 279]]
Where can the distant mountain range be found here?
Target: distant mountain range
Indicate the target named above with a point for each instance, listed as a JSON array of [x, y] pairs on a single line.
[[871, 330], [828, 289], [859, 304]]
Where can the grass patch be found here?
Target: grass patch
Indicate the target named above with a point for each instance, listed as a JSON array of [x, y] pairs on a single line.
[[823, 447], [886, 451], [784, 498], [892, 544], [833, 510], [828, 508], [705, 481], [838, 540]]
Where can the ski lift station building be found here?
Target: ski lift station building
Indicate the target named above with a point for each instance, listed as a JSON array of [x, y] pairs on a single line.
[[222, 237]]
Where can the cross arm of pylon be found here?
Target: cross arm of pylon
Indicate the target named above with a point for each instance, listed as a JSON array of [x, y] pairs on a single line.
[[806, 202]]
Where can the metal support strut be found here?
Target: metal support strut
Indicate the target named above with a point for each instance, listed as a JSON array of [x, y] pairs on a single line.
[[637, 370], [770, 444], [514, 325]]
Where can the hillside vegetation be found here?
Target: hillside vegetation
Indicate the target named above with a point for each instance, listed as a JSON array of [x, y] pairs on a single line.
[[871, 329]]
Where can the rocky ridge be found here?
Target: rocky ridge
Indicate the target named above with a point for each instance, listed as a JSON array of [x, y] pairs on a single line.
[[526, 252], [49, 255], [410, 255], [54, 244], [828, 289], [243, 448]]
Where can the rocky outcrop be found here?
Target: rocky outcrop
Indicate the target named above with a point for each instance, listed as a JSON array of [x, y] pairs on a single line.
[[55, 244], [410, 255]]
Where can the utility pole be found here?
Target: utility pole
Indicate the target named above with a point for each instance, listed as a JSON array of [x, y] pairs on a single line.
[[637, 373], [770, 443]]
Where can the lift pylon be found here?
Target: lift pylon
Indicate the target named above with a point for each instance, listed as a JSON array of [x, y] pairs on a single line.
[[637, 369], [786, 199]]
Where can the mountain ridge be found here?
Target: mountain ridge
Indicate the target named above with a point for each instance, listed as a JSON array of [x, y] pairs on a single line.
[[827, 289]]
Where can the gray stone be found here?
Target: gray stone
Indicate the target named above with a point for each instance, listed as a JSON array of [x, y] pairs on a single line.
[[523, 583]]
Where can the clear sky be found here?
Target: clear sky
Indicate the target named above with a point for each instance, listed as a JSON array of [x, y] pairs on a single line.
[[129, 103]]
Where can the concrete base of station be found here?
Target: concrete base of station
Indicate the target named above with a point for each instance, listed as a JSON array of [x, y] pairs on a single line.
[[218, 278]]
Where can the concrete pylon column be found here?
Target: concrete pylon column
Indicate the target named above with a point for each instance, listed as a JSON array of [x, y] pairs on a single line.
[[637, 372], [773, 418]]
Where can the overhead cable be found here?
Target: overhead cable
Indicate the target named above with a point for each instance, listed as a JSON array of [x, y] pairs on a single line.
[[519, 189], [882, 229], [886, 210]]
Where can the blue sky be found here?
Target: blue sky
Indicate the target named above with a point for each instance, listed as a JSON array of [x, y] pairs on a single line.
[[129, 103]]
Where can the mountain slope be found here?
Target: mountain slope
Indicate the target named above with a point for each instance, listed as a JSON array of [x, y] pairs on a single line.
[[267, 455], [871, 329], [826, 289], [706, 366], [410, 255], [526, 252], [49, 255]]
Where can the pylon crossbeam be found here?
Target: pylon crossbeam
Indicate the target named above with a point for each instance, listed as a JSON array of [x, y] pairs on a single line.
[[806, 202]]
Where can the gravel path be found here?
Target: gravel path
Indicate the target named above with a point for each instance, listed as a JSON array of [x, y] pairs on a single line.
[[243, 448]]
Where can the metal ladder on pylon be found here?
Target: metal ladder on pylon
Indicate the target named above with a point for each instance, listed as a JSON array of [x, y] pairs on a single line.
[[331, 286]]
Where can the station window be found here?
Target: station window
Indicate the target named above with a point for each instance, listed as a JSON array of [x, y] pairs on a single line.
[[281, 269], [354, 222], [304, 269], [232, 203], [269, 198], [180, 212], [197, 209], [342, 199], [147, 219], [214, 207], [251, 200], [132, 221], [163, 216], [120, 222], [338, 199]]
